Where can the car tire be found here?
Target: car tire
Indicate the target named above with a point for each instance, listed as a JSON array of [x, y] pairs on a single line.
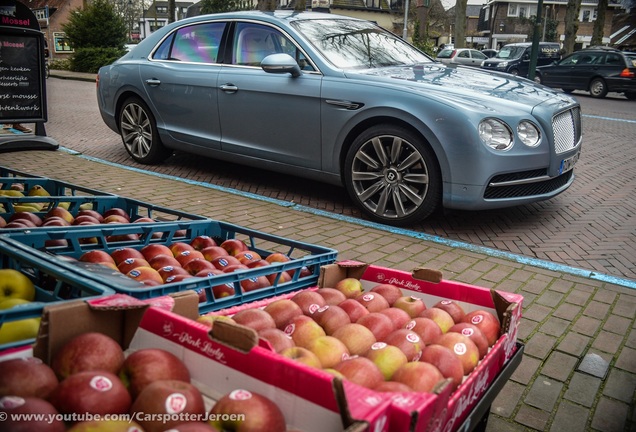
[[630, 95], [598, 88], [393, 175], [567, 90], [537, 79], [514, 72], [138, 130]]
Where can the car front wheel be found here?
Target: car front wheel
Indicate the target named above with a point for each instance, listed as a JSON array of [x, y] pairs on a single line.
[[393, 176], [138, 130], [598, 88]]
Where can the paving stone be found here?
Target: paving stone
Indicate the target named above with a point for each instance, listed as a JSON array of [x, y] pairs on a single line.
[[574, 344], [532, 417], [620, 385], [570, 418], [587, 325], [537, 312], [507, 399], [625, 307], [627, 360], [567, 311], [540, 345], [631, 339], [608, 342], [597, 309], [550, 298], [605, 296], [497, 424], [544, 393], [528, 367], [594, 364], [582, 389], [525, 329], [617, 324], [562, 286], [559, 366], [578, 297], [555, 326], [610, 415]]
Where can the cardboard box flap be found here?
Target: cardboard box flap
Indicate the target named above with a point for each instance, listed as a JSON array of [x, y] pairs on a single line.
[[330, 274], [504, 310], [427, 274], [237, 336]]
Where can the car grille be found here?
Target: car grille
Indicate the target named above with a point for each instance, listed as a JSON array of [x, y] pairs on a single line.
[[525, 189], [567, 130]]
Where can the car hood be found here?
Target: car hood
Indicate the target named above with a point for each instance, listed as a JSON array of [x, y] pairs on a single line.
[[465, 85]]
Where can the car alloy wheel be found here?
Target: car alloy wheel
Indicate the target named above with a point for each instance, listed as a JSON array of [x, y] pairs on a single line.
[[393, 176], [139, 134], [598, 89]]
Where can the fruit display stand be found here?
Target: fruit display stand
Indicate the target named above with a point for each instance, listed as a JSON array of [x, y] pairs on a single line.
[[305, 259], [53, 285], [467, 407]]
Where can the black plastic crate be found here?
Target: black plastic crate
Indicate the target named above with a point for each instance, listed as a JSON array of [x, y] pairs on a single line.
[[53, 284], [305, 262]]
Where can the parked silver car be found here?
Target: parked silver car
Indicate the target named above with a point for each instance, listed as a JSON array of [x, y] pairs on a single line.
[[462, 56], [341, 100]]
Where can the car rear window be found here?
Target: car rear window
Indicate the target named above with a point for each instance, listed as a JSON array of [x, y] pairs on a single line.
[[445, 53]]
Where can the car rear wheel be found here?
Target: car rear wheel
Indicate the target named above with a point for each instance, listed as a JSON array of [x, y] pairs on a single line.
[[537, 79], [138, 130], [514, 72], [598, 88], [393, 176]]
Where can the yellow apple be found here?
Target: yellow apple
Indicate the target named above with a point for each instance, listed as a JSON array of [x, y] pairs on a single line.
[[10, 302], [15, 331], [14, 284]]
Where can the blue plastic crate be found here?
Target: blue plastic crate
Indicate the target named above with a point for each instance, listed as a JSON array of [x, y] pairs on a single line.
[[53, 284], [82, 239]]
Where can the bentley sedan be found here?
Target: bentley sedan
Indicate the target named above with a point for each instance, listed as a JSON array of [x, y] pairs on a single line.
[[341, 100]]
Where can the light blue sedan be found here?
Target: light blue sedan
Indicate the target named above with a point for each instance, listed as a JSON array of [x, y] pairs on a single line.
[[343, 101]]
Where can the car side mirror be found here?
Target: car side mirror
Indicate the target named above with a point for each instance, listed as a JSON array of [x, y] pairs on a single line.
[[281, 63]]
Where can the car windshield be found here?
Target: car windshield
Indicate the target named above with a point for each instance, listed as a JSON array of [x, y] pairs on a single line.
[[351, 44], [510, 52]]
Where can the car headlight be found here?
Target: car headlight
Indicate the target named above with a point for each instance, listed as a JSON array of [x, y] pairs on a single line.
[[528, 134], [495, 134], [502, 64]]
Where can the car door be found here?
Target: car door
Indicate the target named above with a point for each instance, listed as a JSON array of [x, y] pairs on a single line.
[[586, 66], [476, 58], [181, 84], [269, 116], [559, 75], [463, 58]]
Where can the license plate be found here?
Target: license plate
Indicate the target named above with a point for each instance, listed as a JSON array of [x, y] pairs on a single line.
[[568, 164]]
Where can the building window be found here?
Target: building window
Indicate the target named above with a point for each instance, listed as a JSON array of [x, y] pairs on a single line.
[[162, 9], [61, 44], [587, 15], [522, 12], [512, 10], [40, 14]]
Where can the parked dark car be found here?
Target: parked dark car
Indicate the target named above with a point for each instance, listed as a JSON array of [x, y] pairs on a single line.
[[490, 53], [515, 58], [596, 70], [341, 100]]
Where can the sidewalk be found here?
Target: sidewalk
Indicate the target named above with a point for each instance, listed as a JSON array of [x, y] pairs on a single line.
[[79, 76], [579, 367]]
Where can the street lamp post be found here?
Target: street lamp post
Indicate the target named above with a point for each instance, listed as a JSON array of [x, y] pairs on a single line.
[[406, 20], [545, 22]]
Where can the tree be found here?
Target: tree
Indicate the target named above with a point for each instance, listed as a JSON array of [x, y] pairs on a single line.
[[96, 26], [215, 6], [267, 5], [597, 33], [460, 23], [571, 25]]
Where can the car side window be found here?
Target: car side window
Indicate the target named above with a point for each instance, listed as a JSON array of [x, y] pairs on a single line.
[[254, 42], [198, 43], [571, 61], [463, 54], [613, 60]]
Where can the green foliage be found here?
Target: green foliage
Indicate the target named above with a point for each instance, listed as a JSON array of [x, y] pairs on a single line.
[[96, 26], [62, 64], [216, 6], [91, 59], [421, 41]]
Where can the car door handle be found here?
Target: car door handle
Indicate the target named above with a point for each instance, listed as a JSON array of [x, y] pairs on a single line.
[[153, 82], [229, 88]]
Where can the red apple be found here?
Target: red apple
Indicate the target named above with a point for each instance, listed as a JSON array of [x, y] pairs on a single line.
[[29, 414], [165, 403], [356, 337], [115, 219], [60, 212], [474, 334], [354, 309], [486, 322], [390, 292], [116, 211], [278, 278], [94, 392], [254, 283], [198, 265], [111, 425], [420, 376], [151, 364], [283, 310], [408, 341], [124, 253], [257, 263], [278, 339], [277, 257], [32, 217], [211, 252], [331, 318], [399, 317], [144, 219], [220, 291], [258, 413], [234, 267], [86, 220], [221, 262], [309, 301], [247, 256], [186, 256], [254, 318], [350, 287], [361, 371], [427, 329], [177, 247], [379, 324], [55, 221], [132, 263], [153, 249], [387, 358], [169, 270], [411, 305], [329, 350], [210, 318], [441, 317], [92, 213], [392, 386], [97, 256], [446, 362], [201, 242], [234, 246], [373, 302], [88, 352], [302, 355], [463, 347], [26, 377], [177, 278], [453, 308], [146, 275], [161, 260], [303, 330], [331, 295]]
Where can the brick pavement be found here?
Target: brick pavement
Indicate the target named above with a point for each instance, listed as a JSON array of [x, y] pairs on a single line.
[[579, 367]]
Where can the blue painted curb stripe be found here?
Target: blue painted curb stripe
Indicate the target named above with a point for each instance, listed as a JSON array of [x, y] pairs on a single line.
[[534, 262], [609, 118]]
